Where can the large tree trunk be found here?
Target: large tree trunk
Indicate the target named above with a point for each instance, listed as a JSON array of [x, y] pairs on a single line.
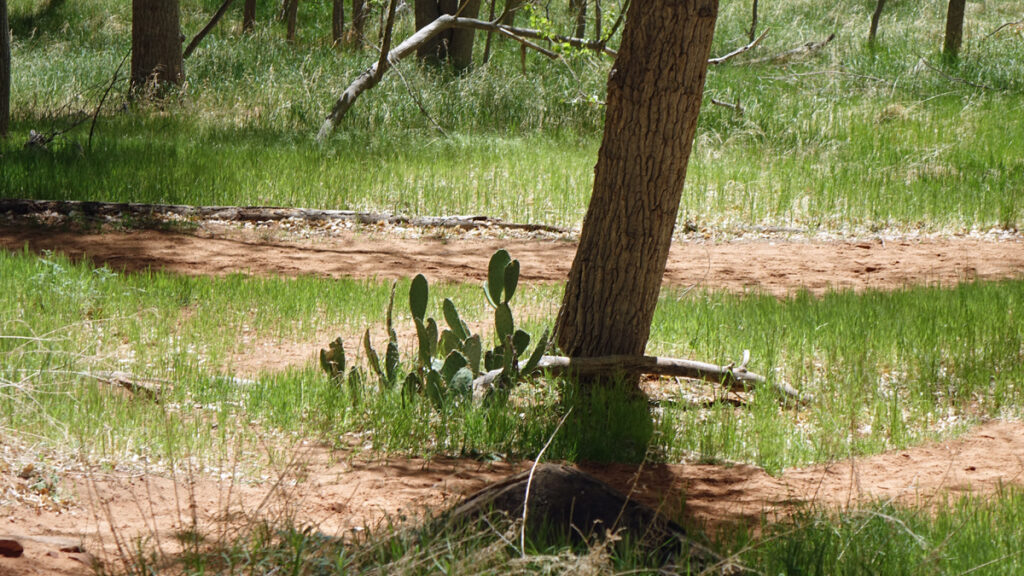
[[5, 71], [954, 29], [156, 42], [654, 97], [452, 45]]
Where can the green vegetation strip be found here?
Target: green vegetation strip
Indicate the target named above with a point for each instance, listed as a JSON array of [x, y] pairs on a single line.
[[887, 369], [852, 138]]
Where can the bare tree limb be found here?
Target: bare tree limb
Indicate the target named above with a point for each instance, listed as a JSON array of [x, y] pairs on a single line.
[[372, 75], [206, 29], [738, 51]]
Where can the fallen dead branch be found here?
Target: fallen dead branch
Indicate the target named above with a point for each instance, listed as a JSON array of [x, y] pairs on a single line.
[[738, 51], [622, 364], [952, 78], [735, 107], [148, 387], [18, 207], [807, 48], [1004, 26]]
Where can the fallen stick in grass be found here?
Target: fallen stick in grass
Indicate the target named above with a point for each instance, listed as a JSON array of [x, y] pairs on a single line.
[[622, 364]]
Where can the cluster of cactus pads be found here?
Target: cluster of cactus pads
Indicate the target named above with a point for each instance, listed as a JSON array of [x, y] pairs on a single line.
[[448, 359]]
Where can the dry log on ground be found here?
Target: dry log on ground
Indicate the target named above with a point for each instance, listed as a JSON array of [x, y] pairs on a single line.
[[610, 365], [255, 214]]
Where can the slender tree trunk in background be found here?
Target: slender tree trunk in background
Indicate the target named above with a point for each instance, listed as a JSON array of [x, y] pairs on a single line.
[[490, 34], [291, 18], [248, 15], [338, 22], [873, 32], [5, 71], [455, 45], [461, 49], [156, 42], [358, 23], [206, 29], [579, 9], [752, 33], [954, 29], [597, 21], [508, 17], [654, 96]]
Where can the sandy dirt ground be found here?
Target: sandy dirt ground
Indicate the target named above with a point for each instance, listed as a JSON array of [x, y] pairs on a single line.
[[342, 493], [770, 265]]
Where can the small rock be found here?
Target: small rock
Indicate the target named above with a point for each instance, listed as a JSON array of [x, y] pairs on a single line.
[[10, 548]]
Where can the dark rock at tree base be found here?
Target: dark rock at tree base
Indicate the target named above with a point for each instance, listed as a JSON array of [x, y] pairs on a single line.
[[564, 500], [11, 548]]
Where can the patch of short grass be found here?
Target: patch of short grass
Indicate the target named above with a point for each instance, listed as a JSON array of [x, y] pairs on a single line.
[[965, 535]]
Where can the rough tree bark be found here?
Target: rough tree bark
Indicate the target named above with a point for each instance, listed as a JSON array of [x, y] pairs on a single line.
[[5, 71], [156, 42], [248, 15], [654, 96], [954, 29]]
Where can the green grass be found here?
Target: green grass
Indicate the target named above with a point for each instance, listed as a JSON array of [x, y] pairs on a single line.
[[850, 140], [887, 369]]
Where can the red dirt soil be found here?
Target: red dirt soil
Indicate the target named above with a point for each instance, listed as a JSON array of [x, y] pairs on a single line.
[[340, 493], [774, 266]]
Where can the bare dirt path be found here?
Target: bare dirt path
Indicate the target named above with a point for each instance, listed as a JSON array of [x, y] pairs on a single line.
[[341, 495], [775, 266]]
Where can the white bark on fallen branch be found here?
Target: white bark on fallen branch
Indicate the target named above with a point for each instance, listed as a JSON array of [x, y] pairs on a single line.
[[802, 49], [738, 51], [621, 364]]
